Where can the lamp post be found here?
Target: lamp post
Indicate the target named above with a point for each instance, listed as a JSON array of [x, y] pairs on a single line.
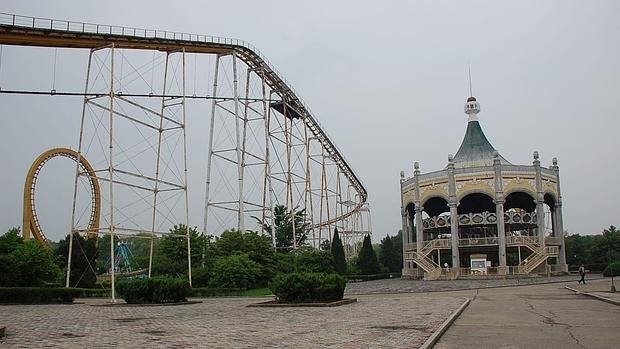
[[611, 270]]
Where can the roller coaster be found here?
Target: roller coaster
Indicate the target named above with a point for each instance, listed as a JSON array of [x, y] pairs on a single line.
[[31, 226], [265, 146]]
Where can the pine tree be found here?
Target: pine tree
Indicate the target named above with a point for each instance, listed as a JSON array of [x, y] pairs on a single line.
[[337, 250], [389, 256], [367, 259]]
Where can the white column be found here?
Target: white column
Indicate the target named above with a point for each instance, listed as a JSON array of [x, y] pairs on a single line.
[[454, 217], [499, 210], [418, 208], [540, 209], [559, 227]]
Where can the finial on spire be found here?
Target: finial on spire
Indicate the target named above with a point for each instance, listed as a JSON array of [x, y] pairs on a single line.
[[471, 94], [472, 107]]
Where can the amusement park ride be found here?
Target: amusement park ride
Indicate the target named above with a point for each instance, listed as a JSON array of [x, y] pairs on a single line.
[[264, 148]]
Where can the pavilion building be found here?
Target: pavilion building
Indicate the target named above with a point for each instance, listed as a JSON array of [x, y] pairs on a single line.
[[482, 215]]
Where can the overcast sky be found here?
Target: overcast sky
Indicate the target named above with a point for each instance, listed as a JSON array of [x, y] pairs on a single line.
[[386, 79]]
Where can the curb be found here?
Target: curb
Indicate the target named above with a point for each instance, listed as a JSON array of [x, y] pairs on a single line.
[[371, 293], [430, 342], [128, 305], [275, 304], [595, 296]]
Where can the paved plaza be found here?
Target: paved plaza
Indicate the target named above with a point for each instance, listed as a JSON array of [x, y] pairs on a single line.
[[385, 321], [392, 314]]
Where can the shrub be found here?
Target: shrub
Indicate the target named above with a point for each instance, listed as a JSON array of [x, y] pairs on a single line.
[[236, 271], [310, 260], [200, 277], [308, 287], [613, 267], [153, 290], [38, 295]]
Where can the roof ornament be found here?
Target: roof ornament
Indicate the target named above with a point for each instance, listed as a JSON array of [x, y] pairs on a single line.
[[472, 107]]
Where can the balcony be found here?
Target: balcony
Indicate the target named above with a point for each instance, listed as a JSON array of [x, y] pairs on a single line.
[[552, 240]]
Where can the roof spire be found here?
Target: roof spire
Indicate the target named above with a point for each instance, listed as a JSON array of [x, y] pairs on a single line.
[[472, 107], [471, 94]]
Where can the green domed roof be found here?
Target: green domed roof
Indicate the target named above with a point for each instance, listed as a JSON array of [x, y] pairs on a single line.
[[475, 150]]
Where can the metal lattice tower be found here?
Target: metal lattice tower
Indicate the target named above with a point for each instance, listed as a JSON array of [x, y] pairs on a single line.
[[264, 147]]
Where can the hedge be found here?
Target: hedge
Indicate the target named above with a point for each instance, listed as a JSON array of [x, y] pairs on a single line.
[[38, 295], [373, 277], [153, 290], [615, 267], [308, 287]]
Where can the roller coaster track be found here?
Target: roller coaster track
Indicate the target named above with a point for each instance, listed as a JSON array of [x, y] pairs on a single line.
[[31, 31], [31, 226]]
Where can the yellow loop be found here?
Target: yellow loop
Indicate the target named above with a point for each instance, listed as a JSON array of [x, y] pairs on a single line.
[[31, 226]]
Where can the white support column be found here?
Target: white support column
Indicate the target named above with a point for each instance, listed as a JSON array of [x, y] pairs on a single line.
[[499, 211], [405, 229], [540, 208], [559, 233], [239, 151], [77, 172], [419, 229], [454, 220], [210, 151], [111, 174]]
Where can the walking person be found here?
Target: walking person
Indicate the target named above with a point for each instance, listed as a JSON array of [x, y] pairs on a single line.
[[582, 273]]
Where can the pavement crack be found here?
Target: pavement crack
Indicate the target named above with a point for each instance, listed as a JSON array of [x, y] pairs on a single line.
[[568, 329], [550, 320]]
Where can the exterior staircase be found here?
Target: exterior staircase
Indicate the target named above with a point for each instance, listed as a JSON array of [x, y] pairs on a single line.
[[539, 256], [421, 259], [433, 271]]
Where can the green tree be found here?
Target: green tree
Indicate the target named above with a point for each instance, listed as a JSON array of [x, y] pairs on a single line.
[[257, 247], [83, 260], [170, 257], [389, 256], [25, 263], [10, 240], [577, 248], [308, 259], [236, 271], [283, 222], [367, 259], [337, 250]]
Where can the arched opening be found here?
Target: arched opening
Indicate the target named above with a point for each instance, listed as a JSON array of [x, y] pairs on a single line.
[[436, 225], [435, 206], [410, 228], [477, 229], [520, 200], [476, 203], [520, 223], [549, 206]]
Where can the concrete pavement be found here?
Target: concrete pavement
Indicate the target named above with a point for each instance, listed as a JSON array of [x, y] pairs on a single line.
[[537, 316]]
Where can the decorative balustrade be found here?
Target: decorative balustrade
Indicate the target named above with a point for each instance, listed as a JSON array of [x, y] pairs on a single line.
[[483, 218], [478, 218], [522, 240], [436, 222], [478, 241], [552, 240], [520, 217]]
